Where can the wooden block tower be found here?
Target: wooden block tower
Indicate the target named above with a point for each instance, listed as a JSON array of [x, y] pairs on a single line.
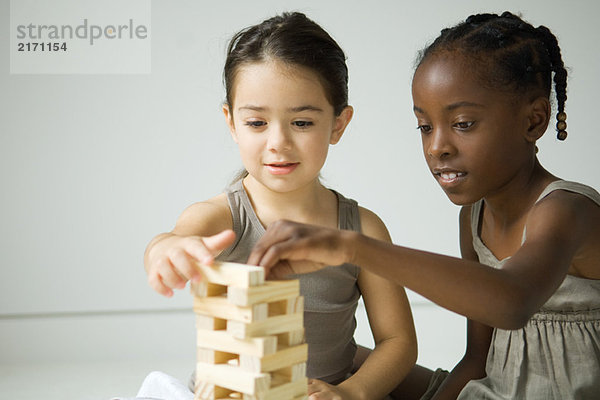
[[250, 335]]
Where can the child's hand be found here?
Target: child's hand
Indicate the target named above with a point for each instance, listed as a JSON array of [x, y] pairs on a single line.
[[171, 261], [293, 248], [319, 390]]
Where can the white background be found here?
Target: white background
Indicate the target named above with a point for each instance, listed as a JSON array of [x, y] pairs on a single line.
[[93, 166]]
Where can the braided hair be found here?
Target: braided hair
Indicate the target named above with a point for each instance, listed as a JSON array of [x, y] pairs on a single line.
[[511, 54]]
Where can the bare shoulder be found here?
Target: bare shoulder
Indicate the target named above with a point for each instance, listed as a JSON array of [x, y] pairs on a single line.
[[372, 225], [572, 211], [205, 218], [386, 302], [573, 219]]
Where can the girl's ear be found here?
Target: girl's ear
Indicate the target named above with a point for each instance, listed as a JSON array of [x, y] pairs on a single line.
[[538, 119], [229, 120], [340, 124]]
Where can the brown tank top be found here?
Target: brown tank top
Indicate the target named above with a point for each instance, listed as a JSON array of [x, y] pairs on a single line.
[[330, 295]]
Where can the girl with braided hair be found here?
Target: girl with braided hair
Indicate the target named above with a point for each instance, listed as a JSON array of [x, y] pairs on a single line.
[[529, 277]]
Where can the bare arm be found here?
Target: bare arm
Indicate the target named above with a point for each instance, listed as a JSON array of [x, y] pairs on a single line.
[[472, 365], [504, 298], [201, 232], [392, 325], [507, 297]]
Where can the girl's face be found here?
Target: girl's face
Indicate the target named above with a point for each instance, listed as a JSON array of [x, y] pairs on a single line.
[[283, 124], [475, 140]]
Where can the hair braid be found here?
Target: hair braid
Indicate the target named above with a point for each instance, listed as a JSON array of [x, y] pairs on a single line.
[[560, 78], [508, 53]]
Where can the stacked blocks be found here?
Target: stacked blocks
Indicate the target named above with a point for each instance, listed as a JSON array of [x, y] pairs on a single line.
[[250, 335]]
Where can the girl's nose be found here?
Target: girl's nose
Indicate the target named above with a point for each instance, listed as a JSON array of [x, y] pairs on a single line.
[[279, 139], [439, 144]]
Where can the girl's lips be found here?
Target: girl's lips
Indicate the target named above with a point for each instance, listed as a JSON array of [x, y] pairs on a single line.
[[448, 177], [281, 168]]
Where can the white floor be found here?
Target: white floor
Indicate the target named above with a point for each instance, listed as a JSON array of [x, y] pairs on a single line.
[[82, 381], [101, 357]]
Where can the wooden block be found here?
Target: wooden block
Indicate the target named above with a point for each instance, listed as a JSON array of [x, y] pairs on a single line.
[[276, 361], [219, 307], [250, 335], [211, 356], [269, 326], [209, 391], [269, 292], [287, 306], [233, 378], [286, 391], [292, 338], [289, 374], [207, 322], [226, 273], [205, 289], [222, 341]]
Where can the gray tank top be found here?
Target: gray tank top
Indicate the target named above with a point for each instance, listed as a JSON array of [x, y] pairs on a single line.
[[330, 295], [556, 355]]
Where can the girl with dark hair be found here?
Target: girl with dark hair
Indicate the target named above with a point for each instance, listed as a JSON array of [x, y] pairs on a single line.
[[286, 103], [529, 277]]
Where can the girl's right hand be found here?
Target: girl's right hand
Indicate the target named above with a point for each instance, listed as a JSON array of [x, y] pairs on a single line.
[[292, 248], [171, 260]]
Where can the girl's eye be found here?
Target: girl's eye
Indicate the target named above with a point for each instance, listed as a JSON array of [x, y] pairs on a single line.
[[464, 125], [424, 128], [255, 124], [303, 124]]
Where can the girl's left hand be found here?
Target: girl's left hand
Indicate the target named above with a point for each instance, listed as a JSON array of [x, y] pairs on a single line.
[[319, 390]]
